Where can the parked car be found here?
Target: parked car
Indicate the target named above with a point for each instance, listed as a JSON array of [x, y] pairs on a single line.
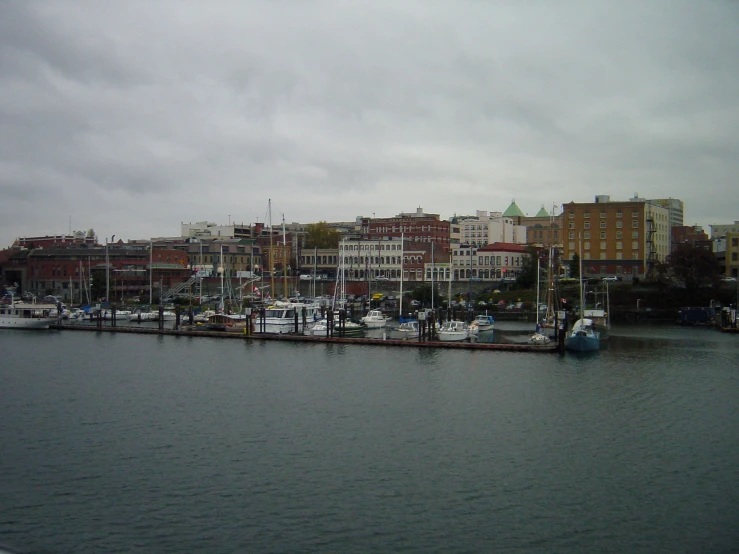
[[612, 278], [382, 278]]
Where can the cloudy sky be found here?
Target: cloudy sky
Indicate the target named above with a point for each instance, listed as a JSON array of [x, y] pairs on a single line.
[[130, 117]]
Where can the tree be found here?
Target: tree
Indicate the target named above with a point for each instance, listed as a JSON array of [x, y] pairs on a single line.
[[527, 278], [320, 235], [693, 266], [575, 266]]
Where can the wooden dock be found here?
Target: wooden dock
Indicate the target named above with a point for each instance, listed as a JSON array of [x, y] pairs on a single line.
[[549, 348]]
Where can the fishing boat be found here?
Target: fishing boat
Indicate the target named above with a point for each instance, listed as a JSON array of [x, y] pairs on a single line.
[[20, 315]]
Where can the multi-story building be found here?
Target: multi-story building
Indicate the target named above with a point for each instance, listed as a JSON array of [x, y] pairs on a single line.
[[120, 271], [417, 227], [486, 228], [721, 229], [726, 249], [492, 262], [544, 230], [616, 238]]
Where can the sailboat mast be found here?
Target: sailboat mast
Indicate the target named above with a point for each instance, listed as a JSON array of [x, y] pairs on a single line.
[[433, 267], [271, 252], [582, 295], [284, 257], [402, 265], [151, 269], [538, 286]]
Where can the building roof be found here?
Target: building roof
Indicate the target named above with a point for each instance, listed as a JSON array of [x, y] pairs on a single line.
[[513, 210], [542, 212], [503, 247]]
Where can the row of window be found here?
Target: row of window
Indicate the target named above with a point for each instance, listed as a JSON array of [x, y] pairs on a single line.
[[619, 235], [619, 224], [619, 214]]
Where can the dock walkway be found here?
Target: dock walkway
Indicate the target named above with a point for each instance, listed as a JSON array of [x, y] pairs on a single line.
[[549, 348]]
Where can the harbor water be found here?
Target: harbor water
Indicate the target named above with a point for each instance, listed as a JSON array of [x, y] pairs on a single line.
[[153, 444]]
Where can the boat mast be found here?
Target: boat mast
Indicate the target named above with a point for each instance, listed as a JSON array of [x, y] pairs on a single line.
[[402, 265], [433, 267], [582, 294], [284, 257], [538, 288], [151, 269], [271, 251]]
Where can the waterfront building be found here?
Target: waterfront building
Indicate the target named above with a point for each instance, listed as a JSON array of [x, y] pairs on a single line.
[[625, 239], [83, 273]]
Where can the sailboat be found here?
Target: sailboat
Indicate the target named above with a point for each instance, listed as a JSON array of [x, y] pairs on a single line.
[[538, 338], [582, 337]]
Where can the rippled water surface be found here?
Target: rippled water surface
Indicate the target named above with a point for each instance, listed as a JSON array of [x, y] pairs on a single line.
[[127, 443]]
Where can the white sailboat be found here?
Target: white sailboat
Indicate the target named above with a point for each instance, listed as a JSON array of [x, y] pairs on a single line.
[[582, 337]]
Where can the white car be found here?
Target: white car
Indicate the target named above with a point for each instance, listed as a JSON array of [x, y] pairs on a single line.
[[610, 278], [382, 278]]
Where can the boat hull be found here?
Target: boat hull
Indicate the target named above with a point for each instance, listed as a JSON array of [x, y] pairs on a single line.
[[582, 343], [12, 322]]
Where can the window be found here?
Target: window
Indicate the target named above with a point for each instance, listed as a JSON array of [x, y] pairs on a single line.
[[619, 224], [586, 235], [571, 246], [634, 214], [602, 245], [571, 225], [603, 257], [603, 235], [735, 242], [619, 214], [571, 215], [602, 224], [587, 225], [586, 215], [602, 215], [733, 256], [635, 224], [634, 245], [586, 246], [635, 234], [619, 235], [586, 256], [619, 255], [619, 245]]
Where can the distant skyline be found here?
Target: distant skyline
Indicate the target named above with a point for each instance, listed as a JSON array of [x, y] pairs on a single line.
[[132, 117]]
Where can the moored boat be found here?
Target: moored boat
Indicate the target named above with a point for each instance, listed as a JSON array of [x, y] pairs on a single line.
[[20, 315], [583, 337], [375, 319], [453, 331]]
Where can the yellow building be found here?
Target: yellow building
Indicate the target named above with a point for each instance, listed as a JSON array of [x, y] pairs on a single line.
[[623, 239]]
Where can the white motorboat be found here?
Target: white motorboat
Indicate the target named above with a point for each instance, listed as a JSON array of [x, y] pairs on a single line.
[[19, 315], [453, 331], [375, 319], [482, 324], [351, 329], [404, 331], [142, 316], [280, 317]]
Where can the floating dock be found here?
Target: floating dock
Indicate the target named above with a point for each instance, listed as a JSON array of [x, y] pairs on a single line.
[[502, 347]]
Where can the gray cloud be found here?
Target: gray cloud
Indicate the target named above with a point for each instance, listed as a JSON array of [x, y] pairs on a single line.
[[131, 117]]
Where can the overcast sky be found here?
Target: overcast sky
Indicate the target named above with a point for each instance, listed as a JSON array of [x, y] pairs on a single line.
[[131, 117]]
